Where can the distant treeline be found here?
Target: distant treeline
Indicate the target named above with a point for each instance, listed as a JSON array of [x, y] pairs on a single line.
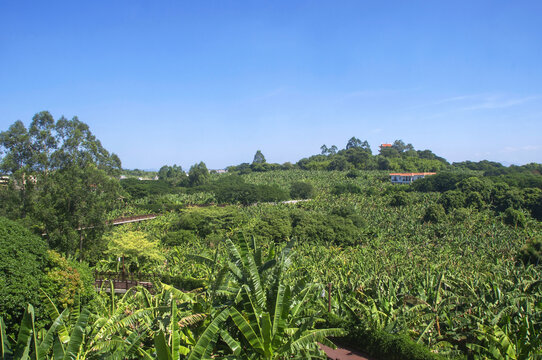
[[356, 155]]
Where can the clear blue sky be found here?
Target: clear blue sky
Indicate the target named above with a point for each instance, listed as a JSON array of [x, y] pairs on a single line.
[[163, 82]]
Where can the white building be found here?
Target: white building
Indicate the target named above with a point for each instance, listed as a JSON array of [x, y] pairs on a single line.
[[408, 178]]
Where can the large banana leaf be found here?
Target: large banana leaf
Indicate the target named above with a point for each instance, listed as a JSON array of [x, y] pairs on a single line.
[[205, 343], [5, 348], [24, 338], [77, 336]]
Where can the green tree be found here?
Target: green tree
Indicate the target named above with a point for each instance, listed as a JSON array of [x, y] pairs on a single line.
[[339, 162], [198, 174], [171, 172], [71, 208], [353, 143], [301, 190], [134, 247], [400, 146], [258, 158], [61, 179], [324, 149]]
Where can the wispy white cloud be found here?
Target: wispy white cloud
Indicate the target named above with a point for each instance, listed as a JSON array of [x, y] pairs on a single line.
[[526, 148], [500, 102], [477, 102], [270, 94], [373, 92]]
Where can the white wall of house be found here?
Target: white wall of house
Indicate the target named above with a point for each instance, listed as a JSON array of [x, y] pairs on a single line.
[[407, 178]]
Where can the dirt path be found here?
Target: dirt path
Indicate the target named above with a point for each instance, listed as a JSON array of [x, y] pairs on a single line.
[[343, 354]]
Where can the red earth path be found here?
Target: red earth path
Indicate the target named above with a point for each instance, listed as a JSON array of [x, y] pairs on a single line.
[[343, 354]]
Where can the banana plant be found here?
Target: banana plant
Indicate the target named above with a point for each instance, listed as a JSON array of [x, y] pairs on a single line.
[[272, 319], [29, 346]]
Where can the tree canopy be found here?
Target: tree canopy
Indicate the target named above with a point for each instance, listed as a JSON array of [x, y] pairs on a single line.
[[258, 158], [61, 178]]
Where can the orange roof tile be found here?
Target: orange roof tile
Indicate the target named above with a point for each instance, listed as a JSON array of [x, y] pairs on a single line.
[[413, 174]]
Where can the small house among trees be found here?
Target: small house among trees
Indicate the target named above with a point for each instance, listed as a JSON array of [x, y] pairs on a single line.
[[408, 178]]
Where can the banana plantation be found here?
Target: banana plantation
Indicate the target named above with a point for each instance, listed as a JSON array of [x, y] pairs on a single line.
[[360, 261]]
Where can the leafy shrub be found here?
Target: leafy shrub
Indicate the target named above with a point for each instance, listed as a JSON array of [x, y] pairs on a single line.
[[531, 253], [64, 280], [180, 237], [452, 199], [301, 190], [232, 190], [459, 215], [340, 189], [514, 218], [206, 221], [440, 182], [434, 213], [141, 188], [352, 174], [380, 344], [324, 229], [475, 200], [533, 202], [399, 199], [274, 225], [23, 257]]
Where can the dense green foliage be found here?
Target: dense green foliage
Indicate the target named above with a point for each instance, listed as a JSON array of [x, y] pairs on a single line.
[[60, 181], [23, 257], [446, 267], [301, 190], [66, 281]]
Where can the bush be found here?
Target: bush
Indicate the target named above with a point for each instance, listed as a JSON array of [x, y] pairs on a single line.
[[459, 215], [352, 174], [233, 190], [531, 253], [64, 280], [205, 221], [274, 225], [340, 189], [452, 199], [399, 199], [141, 188], [23, 257], [324, 229], [434, 213], [475, 200], [514, 218], [380, 344], [180, 237], [440, 182], [301, 190]]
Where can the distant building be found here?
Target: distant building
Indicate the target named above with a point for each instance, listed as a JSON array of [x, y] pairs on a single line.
[[382, 146], [408, 178], [221, 171]]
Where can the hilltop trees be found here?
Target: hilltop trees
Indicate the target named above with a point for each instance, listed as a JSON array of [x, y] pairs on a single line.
[[60, 180], [198, 174], [173, 175], [358, 154], [258, 158]]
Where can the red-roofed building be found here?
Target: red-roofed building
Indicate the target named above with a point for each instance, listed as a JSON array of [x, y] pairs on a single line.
[[408, 178], [385, 146]]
